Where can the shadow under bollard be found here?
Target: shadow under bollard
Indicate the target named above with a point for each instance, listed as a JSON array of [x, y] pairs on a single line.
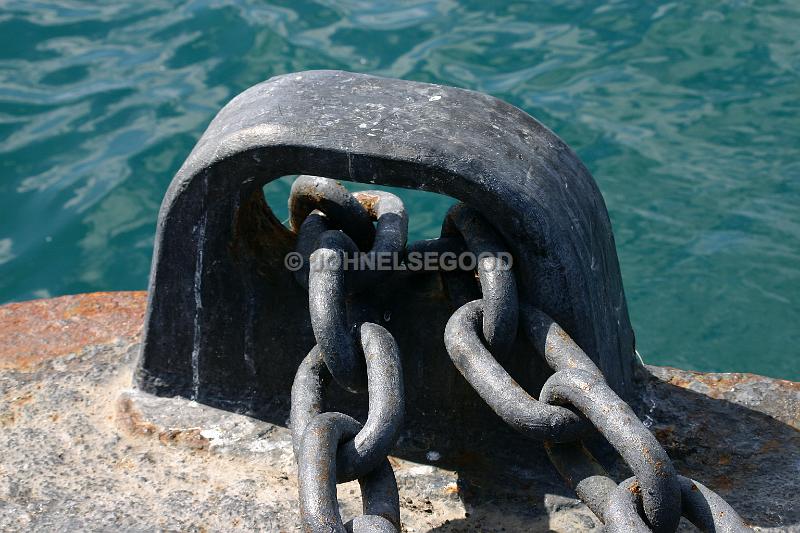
[[735, 433]]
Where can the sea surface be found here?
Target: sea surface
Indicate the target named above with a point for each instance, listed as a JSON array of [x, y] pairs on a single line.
[[686, 113]]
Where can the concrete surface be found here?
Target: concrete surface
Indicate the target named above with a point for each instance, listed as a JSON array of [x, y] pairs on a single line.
[[81, 451]]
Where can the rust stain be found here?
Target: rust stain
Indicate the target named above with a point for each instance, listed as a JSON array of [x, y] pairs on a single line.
[[35, 331], [723, 482], [723, 382], [665, 435], [451, 488], [259, 235], [771, 446], [368, 201], [648, 457], [131, 419], [189, 437]]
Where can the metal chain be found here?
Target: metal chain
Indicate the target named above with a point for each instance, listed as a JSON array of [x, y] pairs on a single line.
[[499, 288], [701, 506], [333, 226], [332, 447], [360, 455], [534, 419], [319, 508], [318, 205], [577, 382]]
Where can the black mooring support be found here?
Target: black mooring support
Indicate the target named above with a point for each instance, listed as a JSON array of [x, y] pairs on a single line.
[[226, 321]]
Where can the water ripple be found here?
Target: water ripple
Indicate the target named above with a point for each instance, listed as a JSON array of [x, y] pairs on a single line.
[[687, 115]]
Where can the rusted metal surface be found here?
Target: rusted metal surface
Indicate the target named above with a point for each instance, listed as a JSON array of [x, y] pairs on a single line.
[[739, 430], [620, 426], [759, 393], [31, 332], [76, 456], [703, 507]]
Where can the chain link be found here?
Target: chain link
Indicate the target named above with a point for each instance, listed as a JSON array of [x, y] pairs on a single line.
[[319, 508], [576, 383], [327, 306], [334, 225], [318, 205], [638, 447], [390, 235], [701, 506], [330, 447], [500, 306], [532, 418], [312, 193], [360, 455]]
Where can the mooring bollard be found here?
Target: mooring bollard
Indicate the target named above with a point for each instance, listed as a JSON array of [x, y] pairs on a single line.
[[224, 314], [229, 321]]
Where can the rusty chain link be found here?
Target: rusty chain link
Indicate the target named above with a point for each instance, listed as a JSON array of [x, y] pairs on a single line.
[[319, 509], [360, 455], [333, 225], [332, 447], [701, 506], [638, 447], [500, 306], [576, 383], [312, 193]]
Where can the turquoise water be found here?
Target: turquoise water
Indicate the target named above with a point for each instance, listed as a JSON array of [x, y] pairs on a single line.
[[687, 114]]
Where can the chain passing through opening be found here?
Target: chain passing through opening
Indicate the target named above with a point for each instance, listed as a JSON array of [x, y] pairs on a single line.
[[359, 355]]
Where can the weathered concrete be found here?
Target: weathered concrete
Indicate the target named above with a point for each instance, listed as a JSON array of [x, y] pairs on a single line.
[[78, 453]]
